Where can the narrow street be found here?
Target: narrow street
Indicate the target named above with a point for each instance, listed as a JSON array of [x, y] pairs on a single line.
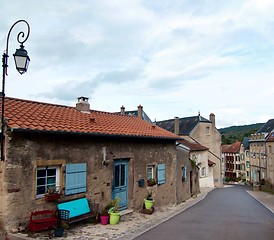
[[227, 213]]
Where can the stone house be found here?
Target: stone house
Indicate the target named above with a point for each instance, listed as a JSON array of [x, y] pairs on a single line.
[[261, 154], [80, 152], [245, 158], [188, 183], [257, 157], [201, 131], [270, 157]]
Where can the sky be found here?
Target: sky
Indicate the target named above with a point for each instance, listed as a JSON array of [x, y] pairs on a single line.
[[177, 58]]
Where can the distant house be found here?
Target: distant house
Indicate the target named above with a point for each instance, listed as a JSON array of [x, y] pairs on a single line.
[[270, 157], [201, 131], [233, 165], [79, 152], [245, 158], [137, 113], [261, 156], [199, 156]]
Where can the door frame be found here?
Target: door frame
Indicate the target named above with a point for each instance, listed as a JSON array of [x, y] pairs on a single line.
[[125, 187]]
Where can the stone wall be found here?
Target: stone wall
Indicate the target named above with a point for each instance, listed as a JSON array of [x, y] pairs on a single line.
[[190, 186], [25, 151]]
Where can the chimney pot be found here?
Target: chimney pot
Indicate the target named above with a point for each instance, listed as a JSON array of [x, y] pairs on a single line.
[[212, 118], [140, 111], [83, 105], [176, 126], [123, 110]]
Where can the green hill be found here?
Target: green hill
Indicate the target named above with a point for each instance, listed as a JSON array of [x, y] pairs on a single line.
[[237, 133]]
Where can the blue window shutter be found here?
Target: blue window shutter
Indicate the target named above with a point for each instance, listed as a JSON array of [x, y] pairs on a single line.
[[185, 173], [76, 178], [161, 173]]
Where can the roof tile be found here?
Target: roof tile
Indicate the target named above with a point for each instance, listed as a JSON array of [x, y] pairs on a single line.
[[37, 116]]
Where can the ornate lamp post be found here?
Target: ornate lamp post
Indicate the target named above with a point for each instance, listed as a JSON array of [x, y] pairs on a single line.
[[21, 62]]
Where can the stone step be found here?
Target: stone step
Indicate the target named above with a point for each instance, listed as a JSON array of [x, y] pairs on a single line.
[[125, 212]]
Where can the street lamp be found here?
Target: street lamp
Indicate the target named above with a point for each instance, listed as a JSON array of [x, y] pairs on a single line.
[[21, 62]]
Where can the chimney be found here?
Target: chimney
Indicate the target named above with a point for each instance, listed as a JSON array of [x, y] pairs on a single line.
[[212, 118], [83, 105], [176, 126], [123, 110], [140, 111]]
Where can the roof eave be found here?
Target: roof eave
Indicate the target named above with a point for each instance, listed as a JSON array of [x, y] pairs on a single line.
[[95, 134]]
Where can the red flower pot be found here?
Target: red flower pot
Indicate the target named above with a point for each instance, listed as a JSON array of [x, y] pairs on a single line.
[[104, 219], [52, 197]]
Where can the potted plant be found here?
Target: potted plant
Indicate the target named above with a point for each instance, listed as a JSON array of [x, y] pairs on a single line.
[[52, 194], [149, 200], [104, 216], [114, 214], [151, 182]]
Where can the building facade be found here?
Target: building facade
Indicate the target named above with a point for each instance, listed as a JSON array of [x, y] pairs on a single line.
[[203, 132], [81, 152]]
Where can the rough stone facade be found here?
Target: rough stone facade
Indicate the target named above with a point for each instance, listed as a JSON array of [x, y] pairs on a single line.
[[189, 186], [25, 152]]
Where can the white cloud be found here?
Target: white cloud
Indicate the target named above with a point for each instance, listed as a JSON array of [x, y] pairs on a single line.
[[176, 58]]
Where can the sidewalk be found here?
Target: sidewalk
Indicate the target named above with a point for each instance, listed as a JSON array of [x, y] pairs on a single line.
[[129, 227], [266, 199]]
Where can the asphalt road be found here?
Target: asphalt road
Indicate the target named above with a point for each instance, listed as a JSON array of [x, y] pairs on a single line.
[[227, 213]]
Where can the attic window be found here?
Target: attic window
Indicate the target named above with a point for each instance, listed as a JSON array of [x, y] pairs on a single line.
[[207, 130]]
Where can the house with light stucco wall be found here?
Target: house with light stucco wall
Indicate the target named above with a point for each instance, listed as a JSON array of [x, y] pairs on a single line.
[[203, 132]]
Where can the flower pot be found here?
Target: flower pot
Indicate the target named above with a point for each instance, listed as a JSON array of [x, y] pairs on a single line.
[[148, 203], [104, 219], [114, 218], [49, 197]]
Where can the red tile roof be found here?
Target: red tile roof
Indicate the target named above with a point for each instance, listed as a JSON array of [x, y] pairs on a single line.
[[224, 147], [193, 146], [233, 148], [25, 115]]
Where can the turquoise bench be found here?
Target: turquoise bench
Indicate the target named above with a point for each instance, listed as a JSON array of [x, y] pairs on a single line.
[[76, 210]]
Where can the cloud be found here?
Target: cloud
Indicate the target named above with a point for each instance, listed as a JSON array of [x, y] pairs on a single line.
[[183, 56]]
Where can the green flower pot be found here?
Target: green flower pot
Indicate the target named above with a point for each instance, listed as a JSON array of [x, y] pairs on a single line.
[[148, 203], [114, 218]]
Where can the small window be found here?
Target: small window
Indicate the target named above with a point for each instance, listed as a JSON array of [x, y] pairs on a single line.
[[184, 173], [150, 172], [203, 172], [47, 178], [207, 130]]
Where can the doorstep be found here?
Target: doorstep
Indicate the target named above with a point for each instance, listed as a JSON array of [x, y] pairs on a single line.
[[126, 212]]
